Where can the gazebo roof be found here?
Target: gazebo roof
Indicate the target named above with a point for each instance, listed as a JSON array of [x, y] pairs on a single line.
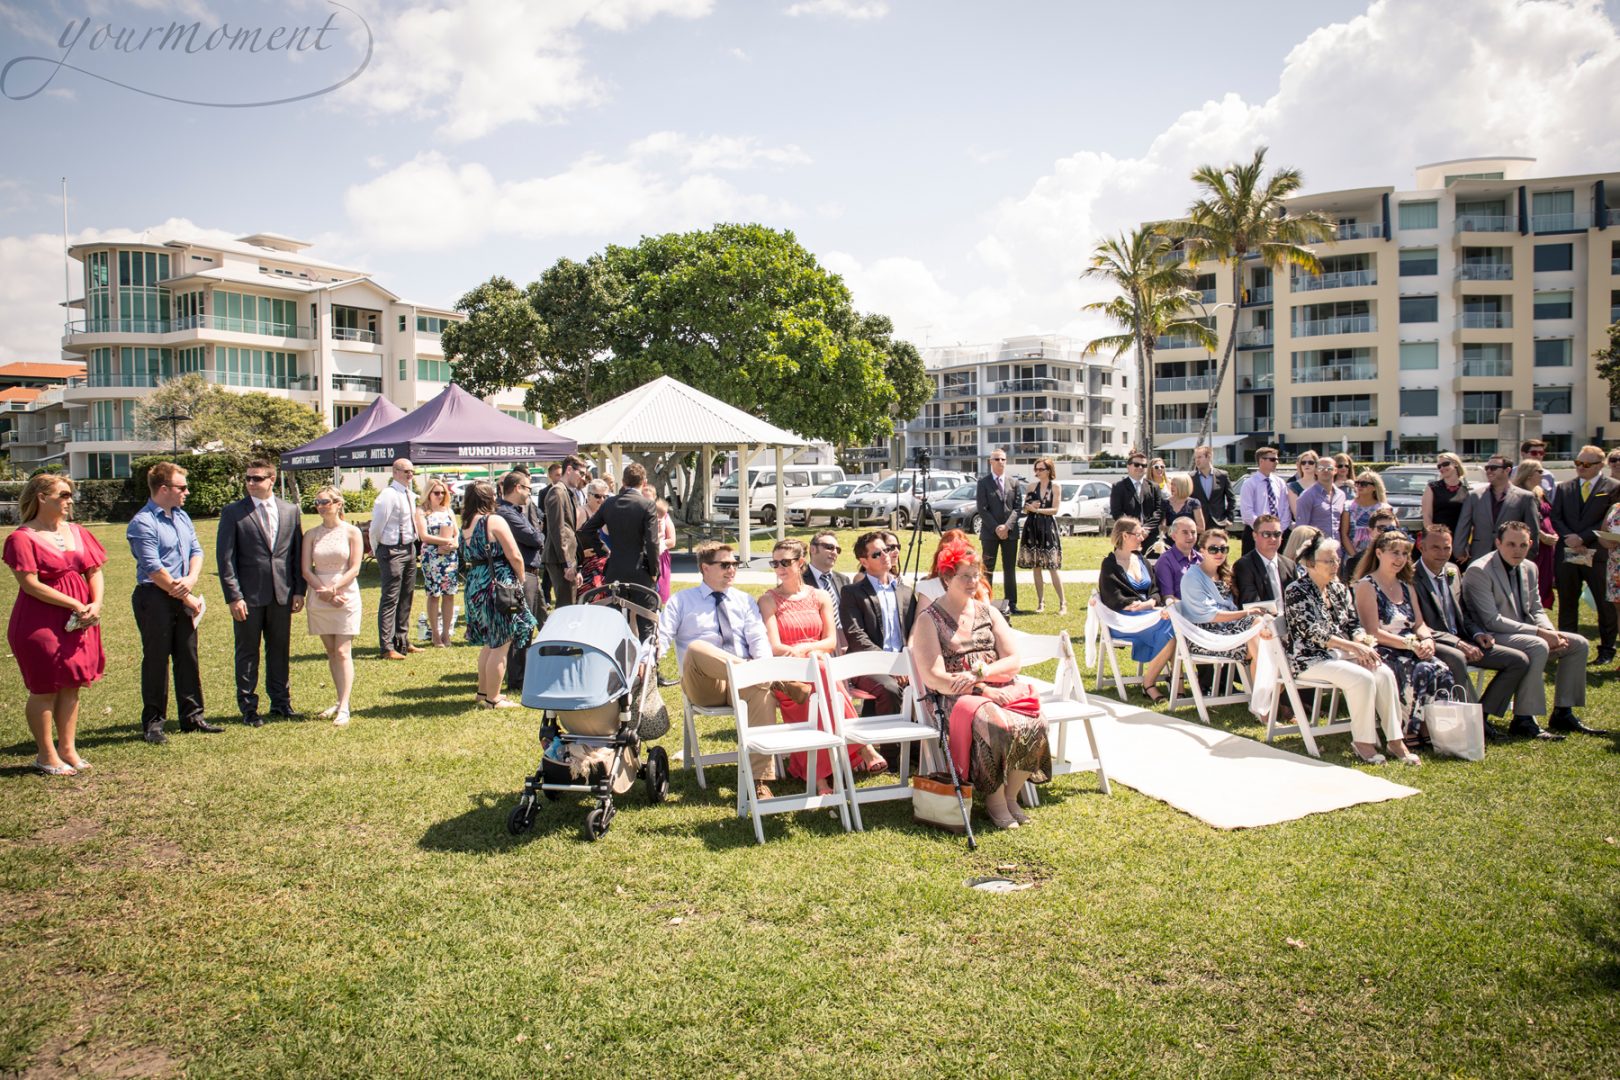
[[669, 414]]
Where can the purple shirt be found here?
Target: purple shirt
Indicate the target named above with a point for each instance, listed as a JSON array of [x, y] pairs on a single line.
[[1172, 564], [1321, 509]]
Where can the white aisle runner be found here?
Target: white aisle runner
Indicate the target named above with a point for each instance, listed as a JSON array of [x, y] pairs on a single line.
[[1229, 781]]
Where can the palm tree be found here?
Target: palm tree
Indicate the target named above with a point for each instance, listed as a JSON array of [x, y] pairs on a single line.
[[1240, 214], [1155, 292]]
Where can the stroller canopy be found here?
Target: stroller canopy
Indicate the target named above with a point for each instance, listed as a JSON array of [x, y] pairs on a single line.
[[585, 656]]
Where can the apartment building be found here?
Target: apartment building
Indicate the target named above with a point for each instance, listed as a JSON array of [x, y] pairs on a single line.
[[1036, 395], [1481, 291], [251, 314]]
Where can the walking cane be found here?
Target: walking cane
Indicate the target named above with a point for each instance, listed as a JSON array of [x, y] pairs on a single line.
[[950, 765]]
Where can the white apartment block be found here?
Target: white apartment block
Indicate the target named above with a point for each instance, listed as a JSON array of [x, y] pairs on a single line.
[[1481, 289], [1036, 395], [252, 314]]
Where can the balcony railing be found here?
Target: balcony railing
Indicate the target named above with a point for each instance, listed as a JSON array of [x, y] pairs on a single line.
[[1024, 386], [1343, 324], [1259, 295], [872, 453], [1570, 222], [119, 326], [361, 384], [1249, 339], [1479, 416], [1176, 342], [1485, 272], [1190, 382], [1043, 448], [7, 437], [1333, 419], [1035, 416], [126, 378], [1178, 427], [99, 433], [241, 326], [1487, 222], [1207, 296], [959, 420], [1314, 373], [1344, 279], [1486, 369], [956, 390], [1264, 381], [1369, 230], [1485, 320], [346, 333], [257, 381]]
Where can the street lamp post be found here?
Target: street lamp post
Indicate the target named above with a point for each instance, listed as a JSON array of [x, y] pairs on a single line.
[[174, 420]]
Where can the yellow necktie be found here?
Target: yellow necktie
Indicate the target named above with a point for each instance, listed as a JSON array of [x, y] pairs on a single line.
[[1586, 489]]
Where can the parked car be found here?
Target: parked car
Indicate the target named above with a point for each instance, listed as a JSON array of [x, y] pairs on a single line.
[[800, 481], [827, 504], [1404, 484], [897, 494], [1086, 509], [957, 509]]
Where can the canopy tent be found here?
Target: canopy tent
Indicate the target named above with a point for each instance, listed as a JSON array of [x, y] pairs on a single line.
[[667, 414], [455, 428], [322, 452]]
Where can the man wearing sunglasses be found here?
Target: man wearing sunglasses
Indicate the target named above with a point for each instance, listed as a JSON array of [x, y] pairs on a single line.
[[1137, 497], [260, 551], [876, 612], [1487, 507], [823, 559], [997, 500], [1264, 492], [1579, 506], [394, 543], [1536, 450]]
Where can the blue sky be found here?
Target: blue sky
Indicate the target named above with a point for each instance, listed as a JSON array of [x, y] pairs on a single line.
[[955, 161]]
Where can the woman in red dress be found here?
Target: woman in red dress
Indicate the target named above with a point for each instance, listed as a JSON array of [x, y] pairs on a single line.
[[799, 621], [55, 631]]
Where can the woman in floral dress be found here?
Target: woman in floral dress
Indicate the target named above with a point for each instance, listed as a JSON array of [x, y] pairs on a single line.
[[489, 553], [1405, 643], [439, 560]]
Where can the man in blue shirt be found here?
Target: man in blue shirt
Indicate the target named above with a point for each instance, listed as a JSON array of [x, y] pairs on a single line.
[[1176, 559], [168, 561]]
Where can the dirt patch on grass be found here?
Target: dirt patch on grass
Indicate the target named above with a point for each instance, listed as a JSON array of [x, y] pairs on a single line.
[[70, 1051], [71, 831]]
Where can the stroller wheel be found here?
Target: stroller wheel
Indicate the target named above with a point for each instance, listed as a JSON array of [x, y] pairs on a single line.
[[521, 818], [596, 823], [657, 770]]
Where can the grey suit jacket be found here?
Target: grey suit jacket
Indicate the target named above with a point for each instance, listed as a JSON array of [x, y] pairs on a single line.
[[1476, 529], [248, 569], [1488, 596]]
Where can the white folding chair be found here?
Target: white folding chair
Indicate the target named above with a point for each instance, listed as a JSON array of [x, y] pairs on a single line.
[[1231, 676], [806, 737], [1108, 647], [1063, 702], [691, 755], [1319, 721], [899, 727]]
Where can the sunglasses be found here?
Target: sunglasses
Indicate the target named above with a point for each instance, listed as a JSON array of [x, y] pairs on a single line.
[[783, 564], [1271, 534], [726, 565], [325, 502], [1272, 457], [1137, 465], [1494, 468], [1535, 453], [181, 487], [1587, 464], [1364, 483], [834, 548], [872, 553], [1216, 549], [259, 479]]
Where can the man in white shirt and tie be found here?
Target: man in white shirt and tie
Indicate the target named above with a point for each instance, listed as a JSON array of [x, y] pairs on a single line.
[[394, 543], [709, 624], [1264, 493], [259, 553]]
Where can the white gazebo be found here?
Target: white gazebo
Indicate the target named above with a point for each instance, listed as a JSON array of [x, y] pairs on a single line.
[[666, 414]]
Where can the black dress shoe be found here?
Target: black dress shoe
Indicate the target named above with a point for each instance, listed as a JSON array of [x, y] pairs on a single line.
[[253, 719], [1525, 727], [1605, 656], [1570, 722], [155, 736], [200, 725], [286, 712], [1495, 732]]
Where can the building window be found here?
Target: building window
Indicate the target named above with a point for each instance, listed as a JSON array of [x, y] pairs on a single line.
[[1420, 215], [1420, 262], [1554, 352], [342, 414], [1420, 309], [429, 370], [430, 324], [1420, 402], [1552, 211], [402, 363], [1552, 400], [1420, 355], [1555, 257], [1476, 448], [1555, 305], [402, 324], [1559, 447], [525, 415]]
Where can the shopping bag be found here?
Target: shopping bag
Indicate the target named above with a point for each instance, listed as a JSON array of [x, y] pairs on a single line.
[[1456, 726], [933, 802]]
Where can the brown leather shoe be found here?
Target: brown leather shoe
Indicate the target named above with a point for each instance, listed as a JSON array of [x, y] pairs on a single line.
[[392, 655], [413, 648]]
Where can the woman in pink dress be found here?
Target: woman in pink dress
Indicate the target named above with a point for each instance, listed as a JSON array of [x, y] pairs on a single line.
[[799, 621], [666, 544], [55, 630]]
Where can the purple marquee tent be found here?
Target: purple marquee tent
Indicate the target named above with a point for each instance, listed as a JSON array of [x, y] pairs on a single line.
[[322, 452], [454, 428]]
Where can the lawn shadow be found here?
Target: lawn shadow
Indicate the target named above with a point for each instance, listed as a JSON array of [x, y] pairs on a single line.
[[482, 829], [445, 706], [82, 740], [1600, 928]]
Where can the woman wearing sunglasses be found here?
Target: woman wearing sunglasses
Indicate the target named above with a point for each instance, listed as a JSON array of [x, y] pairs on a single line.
[[800, 621], [331, 567], [1209, 599]]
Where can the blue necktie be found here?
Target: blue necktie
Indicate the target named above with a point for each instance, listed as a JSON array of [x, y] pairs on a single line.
[[726, 638]]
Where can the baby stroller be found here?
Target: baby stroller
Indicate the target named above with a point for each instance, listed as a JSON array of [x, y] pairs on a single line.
[[597, 686]]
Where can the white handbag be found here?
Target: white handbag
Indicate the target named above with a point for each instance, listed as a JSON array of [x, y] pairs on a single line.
[[1456, 726]]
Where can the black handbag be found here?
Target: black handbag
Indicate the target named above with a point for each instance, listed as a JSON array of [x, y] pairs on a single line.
[[505, 596]]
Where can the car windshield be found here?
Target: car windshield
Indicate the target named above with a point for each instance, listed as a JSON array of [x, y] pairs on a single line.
[[894, 484], [1406, 483], [836, 491]]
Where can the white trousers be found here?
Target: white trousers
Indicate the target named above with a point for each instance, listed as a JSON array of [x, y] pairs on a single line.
[[1373, 697]]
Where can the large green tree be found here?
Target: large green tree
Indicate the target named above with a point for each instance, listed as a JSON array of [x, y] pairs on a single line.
[[576, 301], [498, 344], [1243, 213], [1155, 295], [239, 424]]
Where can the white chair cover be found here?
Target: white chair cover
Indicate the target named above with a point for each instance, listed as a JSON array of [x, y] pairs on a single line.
[[1099, 615], [1265, 670]]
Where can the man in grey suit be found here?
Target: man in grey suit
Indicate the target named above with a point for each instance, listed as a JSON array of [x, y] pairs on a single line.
[[1488, 507], [1503, 594], [1579, 507], [260, 551]]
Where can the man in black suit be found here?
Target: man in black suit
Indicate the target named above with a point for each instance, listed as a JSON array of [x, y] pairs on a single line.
[[517, 510], [1213, 488], [1458, 643], [260, 553], [998, 500], [823, 559], [631, 520], [1263, 573], [875, 611], [1578, 509], [1136, 497]]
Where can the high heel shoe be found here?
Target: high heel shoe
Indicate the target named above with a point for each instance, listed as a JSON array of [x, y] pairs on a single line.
[[1375, 759], [62, 769]]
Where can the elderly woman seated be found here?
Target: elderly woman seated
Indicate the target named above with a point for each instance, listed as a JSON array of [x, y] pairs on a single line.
[[1326, 643], [1126, 584], [1209, 601], [965, 655]]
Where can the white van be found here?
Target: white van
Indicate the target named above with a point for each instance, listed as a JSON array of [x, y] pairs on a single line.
[[800, 481]]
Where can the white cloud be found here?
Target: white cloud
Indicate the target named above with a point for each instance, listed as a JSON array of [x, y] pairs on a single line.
[[431, 203], [854, 10], [739, 54], [715, 151], [477, 65], [1357, 103]]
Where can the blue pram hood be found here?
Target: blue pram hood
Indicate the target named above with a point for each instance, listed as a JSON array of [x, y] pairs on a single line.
[[584, 657]]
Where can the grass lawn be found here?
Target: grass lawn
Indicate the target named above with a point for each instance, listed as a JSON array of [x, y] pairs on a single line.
[[306, 900]]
